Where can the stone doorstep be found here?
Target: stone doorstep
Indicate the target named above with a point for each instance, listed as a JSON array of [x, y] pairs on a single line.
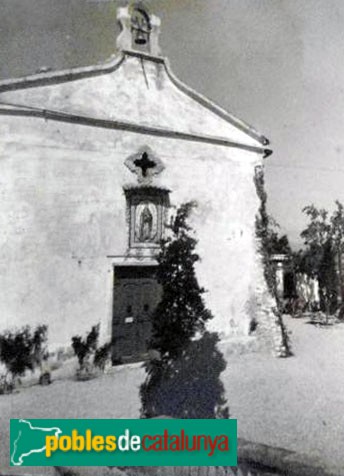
[[252, 456]]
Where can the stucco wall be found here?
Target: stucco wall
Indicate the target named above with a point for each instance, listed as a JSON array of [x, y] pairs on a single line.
[[63, 211]]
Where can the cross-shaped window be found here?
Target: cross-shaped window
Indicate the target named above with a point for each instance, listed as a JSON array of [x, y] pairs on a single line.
[[144, 163]]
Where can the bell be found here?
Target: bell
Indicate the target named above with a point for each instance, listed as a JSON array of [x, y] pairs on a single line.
[[140, 26], [141, 37]]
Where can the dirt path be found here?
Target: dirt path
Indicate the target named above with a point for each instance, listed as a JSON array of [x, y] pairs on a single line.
[[295, 403]]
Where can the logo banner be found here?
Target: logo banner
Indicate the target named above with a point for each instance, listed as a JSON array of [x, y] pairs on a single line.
[[164, 442]]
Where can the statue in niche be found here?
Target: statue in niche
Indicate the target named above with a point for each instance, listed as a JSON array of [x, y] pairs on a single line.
[[146, 222]]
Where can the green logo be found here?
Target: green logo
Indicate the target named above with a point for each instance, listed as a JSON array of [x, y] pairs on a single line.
[[123, 443]]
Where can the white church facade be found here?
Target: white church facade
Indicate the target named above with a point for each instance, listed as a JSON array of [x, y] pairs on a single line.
[[94, 161]]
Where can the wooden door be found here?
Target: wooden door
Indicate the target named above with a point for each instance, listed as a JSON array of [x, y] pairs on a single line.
[[135, 297]]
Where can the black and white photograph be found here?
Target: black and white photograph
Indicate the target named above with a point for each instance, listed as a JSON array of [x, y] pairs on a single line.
[[172, 230]]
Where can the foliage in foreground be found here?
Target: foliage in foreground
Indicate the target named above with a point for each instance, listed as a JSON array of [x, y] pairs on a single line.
[[187, 386], [183, 379]]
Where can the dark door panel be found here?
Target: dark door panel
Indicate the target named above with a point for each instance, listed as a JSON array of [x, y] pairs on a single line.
[[136, 295]]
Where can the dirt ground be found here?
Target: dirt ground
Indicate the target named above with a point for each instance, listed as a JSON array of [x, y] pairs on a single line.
[[295, 403]]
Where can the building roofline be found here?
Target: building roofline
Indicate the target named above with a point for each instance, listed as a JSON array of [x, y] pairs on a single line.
[[56, 77], [203, 100], [212, 106], [66, 75]]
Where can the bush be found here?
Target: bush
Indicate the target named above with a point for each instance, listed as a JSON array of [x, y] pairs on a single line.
[[83, 348], [87, 348], [5, 385], [45, 378], [20, 351], [102, 355]]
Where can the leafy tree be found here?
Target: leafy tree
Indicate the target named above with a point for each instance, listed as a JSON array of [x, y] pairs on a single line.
[[321, 238], [318, 230], [328, 279], [337, 226], [275, 243], [183, 377]]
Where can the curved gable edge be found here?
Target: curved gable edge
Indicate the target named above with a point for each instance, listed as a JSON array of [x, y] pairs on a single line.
[[210, 105], [55, 77]]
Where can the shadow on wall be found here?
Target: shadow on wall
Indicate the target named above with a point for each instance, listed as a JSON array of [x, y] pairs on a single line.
[[188, 387]]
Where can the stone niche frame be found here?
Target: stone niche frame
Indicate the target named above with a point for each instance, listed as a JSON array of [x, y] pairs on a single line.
[[139, 200]]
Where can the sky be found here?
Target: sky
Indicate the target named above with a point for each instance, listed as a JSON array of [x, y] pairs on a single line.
[[277, 64]]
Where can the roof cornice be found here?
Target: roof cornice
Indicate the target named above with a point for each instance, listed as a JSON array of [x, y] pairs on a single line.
[[8, 109], [204, 101], [72, 74], [201, 99], [55, 77]]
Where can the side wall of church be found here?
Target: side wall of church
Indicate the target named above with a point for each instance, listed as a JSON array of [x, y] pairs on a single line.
[[63, 212]]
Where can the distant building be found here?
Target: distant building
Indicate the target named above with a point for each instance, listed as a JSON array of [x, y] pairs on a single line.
[[285, 278], [296, 291], [93, 162]]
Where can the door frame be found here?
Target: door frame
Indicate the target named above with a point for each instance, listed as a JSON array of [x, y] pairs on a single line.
[[113, 262]]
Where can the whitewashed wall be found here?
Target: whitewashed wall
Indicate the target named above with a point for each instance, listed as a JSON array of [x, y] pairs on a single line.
[[63, 211]]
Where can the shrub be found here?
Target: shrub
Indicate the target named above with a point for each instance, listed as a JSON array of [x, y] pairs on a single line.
[[87, 348], [102, 355], [20, 351], [83, 348], [45, 378], [5, 385]]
